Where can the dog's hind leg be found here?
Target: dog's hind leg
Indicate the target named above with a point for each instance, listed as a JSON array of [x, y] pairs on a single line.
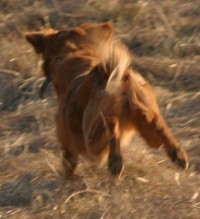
[[112, 132], [155, 131], [144, 114], [103, 142], [115, 160]]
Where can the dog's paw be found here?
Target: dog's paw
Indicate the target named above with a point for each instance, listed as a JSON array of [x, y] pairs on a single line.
[[179, 157], [115, 165], [69, 170]]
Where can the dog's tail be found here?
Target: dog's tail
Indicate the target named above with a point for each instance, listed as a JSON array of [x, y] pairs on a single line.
[[115, 65], [121, 79]]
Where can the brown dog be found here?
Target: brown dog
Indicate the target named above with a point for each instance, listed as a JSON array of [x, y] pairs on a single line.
[[100, 98]]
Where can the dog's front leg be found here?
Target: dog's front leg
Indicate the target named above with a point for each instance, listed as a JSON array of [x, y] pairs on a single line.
[[69, 161]]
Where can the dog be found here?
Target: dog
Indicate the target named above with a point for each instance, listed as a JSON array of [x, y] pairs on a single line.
[[101, 99]]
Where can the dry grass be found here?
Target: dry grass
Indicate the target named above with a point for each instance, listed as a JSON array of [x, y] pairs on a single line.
[[165, 38]]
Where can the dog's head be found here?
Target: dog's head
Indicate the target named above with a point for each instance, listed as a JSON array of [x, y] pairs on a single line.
[[70, 52]]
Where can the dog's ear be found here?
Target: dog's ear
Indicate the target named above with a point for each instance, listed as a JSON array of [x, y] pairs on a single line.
[[108, 26], [37, 40], [98, 31]]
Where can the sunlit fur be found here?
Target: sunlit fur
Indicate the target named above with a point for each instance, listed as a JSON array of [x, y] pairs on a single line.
[[101, 99]]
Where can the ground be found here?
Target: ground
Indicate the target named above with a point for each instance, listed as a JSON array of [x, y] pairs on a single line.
[[164, 37]]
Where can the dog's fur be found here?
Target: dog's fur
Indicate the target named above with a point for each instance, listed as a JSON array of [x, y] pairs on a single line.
[[100, 98]]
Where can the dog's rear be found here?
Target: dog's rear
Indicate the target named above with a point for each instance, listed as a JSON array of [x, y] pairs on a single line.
[[126, 103], [101, 99]]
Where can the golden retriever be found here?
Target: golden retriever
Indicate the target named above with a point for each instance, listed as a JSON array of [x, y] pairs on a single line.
[[101, 98]]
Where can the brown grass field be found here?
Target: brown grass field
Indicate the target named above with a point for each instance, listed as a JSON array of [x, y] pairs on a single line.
[[164, 37]]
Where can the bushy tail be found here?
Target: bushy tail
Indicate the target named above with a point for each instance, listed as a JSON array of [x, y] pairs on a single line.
[[120, 78], [115, 65]]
